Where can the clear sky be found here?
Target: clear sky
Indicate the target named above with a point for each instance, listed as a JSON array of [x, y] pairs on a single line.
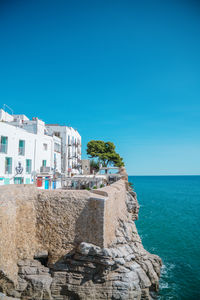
[[121, 71]]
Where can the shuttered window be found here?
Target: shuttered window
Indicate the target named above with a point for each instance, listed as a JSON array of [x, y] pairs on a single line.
[[8, 165], [28, 166]]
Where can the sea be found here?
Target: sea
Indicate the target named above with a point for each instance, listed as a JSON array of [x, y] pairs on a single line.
[[169, 226]]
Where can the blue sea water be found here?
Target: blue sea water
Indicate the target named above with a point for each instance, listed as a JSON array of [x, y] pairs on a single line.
[[169, 226]]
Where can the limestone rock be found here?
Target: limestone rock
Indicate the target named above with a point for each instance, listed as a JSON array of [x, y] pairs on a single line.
[[4, 297]]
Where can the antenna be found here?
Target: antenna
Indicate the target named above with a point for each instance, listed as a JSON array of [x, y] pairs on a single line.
[[6, 106]]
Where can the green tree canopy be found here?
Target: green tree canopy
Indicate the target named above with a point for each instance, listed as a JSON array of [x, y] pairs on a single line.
[[94, 165], [105, 153]]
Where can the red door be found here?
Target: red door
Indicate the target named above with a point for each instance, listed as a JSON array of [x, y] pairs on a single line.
[[39, 181]]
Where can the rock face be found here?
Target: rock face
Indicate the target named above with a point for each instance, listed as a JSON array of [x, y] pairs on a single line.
[[124, 270]]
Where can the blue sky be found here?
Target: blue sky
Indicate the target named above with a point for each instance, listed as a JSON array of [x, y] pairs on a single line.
[[121, 71]]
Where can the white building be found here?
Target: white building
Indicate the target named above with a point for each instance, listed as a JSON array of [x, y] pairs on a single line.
[[28, 152], [71, 148]]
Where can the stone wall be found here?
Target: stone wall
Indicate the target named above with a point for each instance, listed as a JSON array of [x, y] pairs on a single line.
[[56, 221], [66, 218], [114, 209], [17, 226]]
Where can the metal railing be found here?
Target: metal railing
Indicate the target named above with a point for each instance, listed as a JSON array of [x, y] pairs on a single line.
[[45, 169]]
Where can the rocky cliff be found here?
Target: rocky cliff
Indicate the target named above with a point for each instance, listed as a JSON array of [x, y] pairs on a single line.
[[114, 266]]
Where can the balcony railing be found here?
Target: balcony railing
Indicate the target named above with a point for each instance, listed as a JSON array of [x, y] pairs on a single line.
[[3, 148], [45, 169]]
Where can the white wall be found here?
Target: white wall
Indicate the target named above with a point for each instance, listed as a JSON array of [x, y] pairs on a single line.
[[14, 134], [68, 148], [4, 116], [36, 134], [34, 150], [52, 129]]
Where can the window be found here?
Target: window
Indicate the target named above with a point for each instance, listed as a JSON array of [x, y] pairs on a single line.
[[8, 165], [4, 144], [57, 134], [28, 166], [44, 163], [45, 147], [21, 147]]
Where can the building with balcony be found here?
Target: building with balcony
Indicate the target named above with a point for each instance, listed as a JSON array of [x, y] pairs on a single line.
[[70, 149], [28, 153]]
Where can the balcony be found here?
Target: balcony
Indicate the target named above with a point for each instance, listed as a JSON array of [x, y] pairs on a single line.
[[3, 148], [45, 169]]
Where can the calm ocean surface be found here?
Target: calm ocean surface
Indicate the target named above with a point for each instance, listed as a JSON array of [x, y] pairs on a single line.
[[169, 225]]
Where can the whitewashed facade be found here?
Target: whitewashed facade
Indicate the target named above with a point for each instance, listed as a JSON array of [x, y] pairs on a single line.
[[71, 148], [28, 152]]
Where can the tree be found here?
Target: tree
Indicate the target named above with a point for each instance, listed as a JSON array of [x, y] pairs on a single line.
[[94, 165], [105, 153], [117, 160]]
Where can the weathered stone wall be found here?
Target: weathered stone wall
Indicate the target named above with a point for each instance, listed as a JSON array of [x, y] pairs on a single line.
[[33, 220], [17, 226], [114, 209], [66, 218]]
